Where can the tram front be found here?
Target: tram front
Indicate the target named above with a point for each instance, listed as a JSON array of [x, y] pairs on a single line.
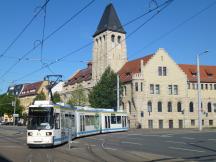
[[40, 125]]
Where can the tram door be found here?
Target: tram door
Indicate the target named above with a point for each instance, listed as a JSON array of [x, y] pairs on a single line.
[[107, 121], [82, 123]]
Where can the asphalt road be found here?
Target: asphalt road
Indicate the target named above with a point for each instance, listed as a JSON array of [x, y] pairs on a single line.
[[134, 145]]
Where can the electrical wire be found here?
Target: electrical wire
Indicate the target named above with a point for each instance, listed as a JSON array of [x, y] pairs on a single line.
[[46, 38], [23, 30], [88, 44]]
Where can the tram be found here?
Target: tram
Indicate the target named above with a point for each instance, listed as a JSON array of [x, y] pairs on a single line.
[[53, 124]]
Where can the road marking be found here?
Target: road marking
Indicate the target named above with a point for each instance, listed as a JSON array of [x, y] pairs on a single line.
[[145, 135], [188, 138], [107, 148], [100, 139], [167, 136], [11, 146], [184, 149], [176, 142], [131, 143]]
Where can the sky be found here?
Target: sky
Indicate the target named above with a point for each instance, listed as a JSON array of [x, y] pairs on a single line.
[[180, 29]]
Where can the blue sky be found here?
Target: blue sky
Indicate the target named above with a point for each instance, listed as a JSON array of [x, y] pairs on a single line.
[[183, 44]]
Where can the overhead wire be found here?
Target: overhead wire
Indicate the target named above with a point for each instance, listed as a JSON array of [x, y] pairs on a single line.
[[23, 30], [164, 5], [176, 27], [47, 37]]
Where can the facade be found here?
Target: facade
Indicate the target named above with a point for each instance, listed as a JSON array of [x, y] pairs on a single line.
[[30, 91], [157, 92]]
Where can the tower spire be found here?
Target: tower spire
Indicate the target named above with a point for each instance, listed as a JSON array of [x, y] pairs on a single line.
[[109, 21]]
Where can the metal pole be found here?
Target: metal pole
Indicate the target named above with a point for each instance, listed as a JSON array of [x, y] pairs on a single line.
[[14, 111], [117, 92], [199, 96]]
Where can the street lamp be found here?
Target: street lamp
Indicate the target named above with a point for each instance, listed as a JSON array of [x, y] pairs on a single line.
[[198, 92]]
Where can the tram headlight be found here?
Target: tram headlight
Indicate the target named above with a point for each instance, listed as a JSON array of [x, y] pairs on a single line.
[[30, 133], [48, 133]]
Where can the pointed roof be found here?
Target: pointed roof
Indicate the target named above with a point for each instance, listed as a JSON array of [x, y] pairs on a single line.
[[109, 21], [132, 67]]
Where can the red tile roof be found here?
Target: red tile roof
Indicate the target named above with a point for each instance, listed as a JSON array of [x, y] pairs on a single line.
[[132, 67], [207, 73], [82, 75], [30, 89]]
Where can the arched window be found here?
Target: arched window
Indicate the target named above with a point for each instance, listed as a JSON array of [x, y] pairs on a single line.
[[119, 39], [96, 41], [129, 107], [149, 106], [191, 108], [209, 107], [123, 107], [104, 37], [159, 106], [113, 38], [169, 105], [179, 107], [100, 39]]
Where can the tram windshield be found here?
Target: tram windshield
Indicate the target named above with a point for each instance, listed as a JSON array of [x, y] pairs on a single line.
[[40, 118]]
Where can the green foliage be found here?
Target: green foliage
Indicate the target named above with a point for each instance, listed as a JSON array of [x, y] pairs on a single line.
[[40, 96], [56, 97], [103, 94], [6, 105], [78, 97]]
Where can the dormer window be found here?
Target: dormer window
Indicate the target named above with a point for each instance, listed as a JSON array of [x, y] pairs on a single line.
[[127, 73], [193, 72], [209, 73]]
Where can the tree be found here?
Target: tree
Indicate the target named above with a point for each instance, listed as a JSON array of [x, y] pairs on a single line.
[[56, 97], [40, 96], [6, 106], [78, 97], [103, 94]]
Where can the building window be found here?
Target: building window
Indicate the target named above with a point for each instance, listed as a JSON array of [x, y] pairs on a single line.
[[160, 71], [160, 124], [214, 86], [151, 88], [210, 122], [136, 86], [129, 107], [125, 90], [188, 85], [206, 85], [142, 114], [157, 89], [192, 122], [210, 86], [179, 108], [209, 107], [169, 105], [113, 38], [170, 89], [201, 86], [193, 85], [119, 39], [149, 106], [203, 122], [164, 71], [214, 106], [141, 86], [150, 123], [159, 106], [175, 89], [191, 107]]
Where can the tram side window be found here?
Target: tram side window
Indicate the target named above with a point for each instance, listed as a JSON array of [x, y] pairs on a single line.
[[72, 120], [67, 121], [90, 119], [118, 119], [113, 119], [57, 121]]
